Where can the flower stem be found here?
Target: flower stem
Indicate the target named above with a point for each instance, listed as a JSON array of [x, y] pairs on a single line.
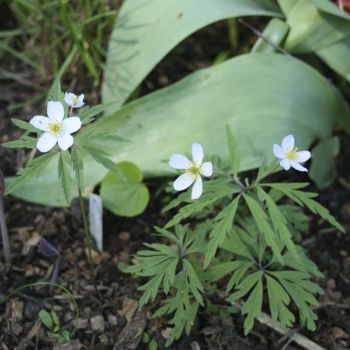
[[87, 237]]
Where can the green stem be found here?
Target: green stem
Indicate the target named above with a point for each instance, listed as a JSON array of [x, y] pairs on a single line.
[[87, 237], [239, 183], [42, 283]]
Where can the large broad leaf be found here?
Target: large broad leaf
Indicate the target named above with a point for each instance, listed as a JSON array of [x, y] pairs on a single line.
[[337, 56], [312, 27], [145, 31], [323, 167], [262, 97], [319, 26]]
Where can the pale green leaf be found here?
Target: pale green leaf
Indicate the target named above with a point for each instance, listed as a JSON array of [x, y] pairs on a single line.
[[125, 198], [233, 151], [275, 32], [138, 40], [155, 123], [323, 167]]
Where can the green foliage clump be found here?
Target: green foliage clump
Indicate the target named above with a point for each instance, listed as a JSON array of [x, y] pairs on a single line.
[[247, 241]]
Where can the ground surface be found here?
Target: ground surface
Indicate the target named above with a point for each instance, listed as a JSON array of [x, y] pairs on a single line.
[[111, 320]]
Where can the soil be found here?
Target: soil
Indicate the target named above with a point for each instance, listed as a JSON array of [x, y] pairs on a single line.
[[109, 318]]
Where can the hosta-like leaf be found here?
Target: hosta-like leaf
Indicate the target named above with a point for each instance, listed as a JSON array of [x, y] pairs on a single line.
[[166, 121], [142, 36]]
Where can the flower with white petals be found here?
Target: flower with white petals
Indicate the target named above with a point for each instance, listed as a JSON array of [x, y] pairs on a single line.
[[73, 100], [192, 170], [289, 155], [56, 129]]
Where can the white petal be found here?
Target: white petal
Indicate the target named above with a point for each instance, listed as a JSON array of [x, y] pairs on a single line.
[[207, 169], [46, 142], [288, 143], [71, 125], [178, 161], [302, 156], [278, 151], [55, 111], [197, 188], [64, 141], [297, 166], [197, 153], [40, 122], [285, 164], [80, 102], [69, 98], [183, 181]]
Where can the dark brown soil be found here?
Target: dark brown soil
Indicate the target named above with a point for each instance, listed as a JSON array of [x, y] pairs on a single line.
[[110, 318]]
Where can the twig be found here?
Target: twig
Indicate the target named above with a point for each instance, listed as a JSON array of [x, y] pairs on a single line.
[[263, 37], [3, 226], [298, 338], [331, 303]]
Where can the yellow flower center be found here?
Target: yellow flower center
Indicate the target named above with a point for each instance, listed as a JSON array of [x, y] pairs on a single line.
[[291, 154], [75, 100], [194, 171], [55, 127]]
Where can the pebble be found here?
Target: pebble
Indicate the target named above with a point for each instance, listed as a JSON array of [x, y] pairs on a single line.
[[16, 328], [97, 323], [81, 323], [103, 339], [124, 236], [338, 333], [112, 320]]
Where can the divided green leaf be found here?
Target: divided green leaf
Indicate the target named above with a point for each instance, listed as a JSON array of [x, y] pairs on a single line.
[[65, 167], [32, 170], [223, 224]]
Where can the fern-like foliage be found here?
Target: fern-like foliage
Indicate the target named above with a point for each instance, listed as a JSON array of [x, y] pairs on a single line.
[[33, 169], [285, 283], [171, 270], [243, 240]]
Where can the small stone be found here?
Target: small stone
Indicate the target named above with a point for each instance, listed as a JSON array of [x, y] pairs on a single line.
[[103, 339], [16, 328], [129, 308], [81, 323], [17, 307], [343, 253], [124, 236], [331, 284], [338, 333], [97, 323], [112, 320], [71, 345], [166, 333]]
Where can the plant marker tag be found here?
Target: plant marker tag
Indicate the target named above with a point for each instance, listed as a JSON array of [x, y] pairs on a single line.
[[95, 219]]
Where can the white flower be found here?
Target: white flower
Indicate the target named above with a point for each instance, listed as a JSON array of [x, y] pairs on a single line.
[[193, 170], [56, 129], [73, 100], [289, 155]]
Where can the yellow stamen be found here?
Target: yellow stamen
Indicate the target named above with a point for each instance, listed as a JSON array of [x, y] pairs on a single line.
[[194, 170], [55, 127], [291, 154]]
